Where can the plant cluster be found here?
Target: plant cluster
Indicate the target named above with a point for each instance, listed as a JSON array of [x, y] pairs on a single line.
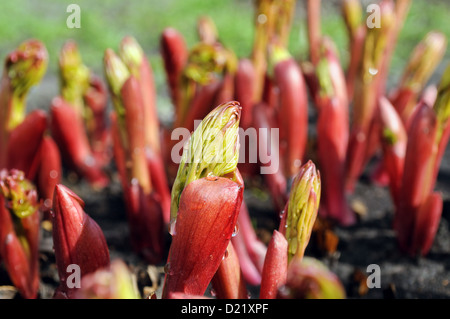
[[199, 204]]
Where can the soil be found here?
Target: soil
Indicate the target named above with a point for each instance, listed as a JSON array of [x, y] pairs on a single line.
[[370, 241]]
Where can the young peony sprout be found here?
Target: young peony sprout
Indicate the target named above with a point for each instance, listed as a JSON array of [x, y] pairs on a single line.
[[213, 149], [302, 209]]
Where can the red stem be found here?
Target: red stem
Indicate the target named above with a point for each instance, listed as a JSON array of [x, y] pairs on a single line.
[[275, 266]]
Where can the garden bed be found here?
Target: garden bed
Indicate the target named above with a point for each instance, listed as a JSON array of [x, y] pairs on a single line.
[[370, 241]]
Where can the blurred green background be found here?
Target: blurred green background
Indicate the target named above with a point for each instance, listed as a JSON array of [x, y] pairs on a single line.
[[105, 23]]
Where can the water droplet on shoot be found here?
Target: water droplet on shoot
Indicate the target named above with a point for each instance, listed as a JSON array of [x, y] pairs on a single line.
[[53, 174], [172, 225], [48, 203], [212, 178], [262, 18], [373, 71], [235, 231], [167, 269]]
